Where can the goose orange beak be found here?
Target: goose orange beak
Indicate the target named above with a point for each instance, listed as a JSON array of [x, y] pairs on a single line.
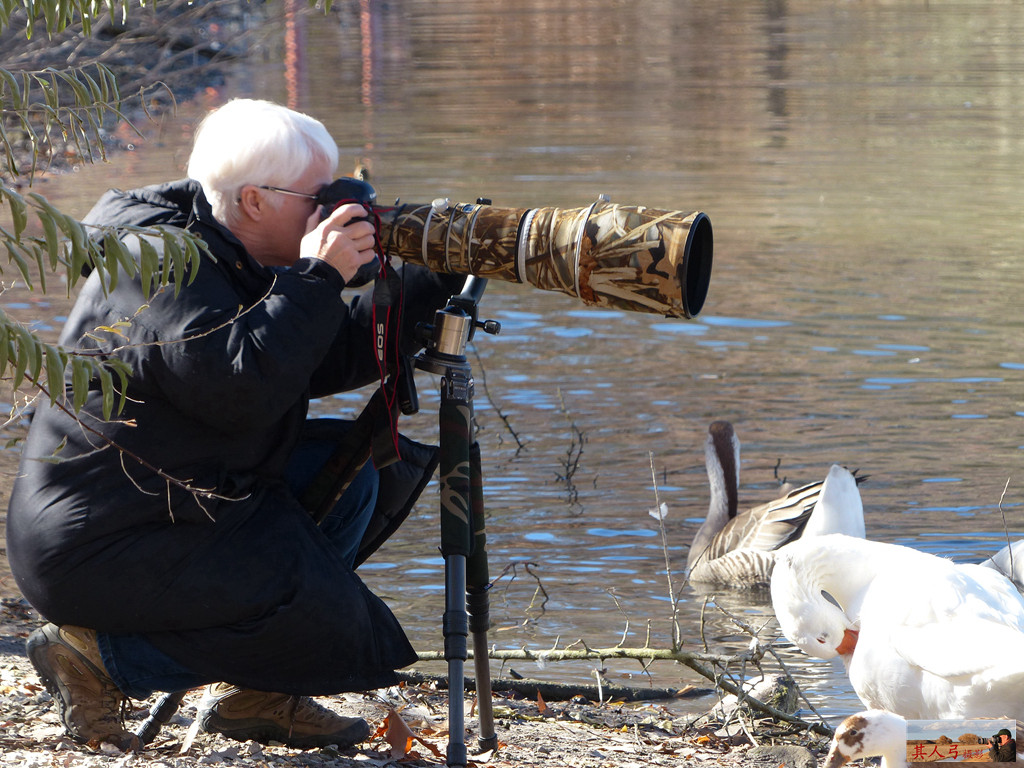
[[849, 642]]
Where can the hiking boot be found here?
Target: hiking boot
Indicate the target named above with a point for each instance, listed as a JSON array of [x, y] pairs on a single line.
[[89, 704], [295, 721]]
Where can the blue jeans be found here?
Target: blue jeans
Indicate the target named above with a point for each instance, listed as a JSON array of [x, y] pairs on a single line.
[[139, 668]]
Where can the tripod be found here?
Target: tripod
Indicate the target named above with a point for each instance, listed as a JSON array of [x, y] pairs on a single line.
[[463, 537]]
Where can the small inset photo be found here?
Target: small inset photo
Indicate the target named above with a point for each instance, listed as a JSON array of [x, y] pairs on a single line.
[[961, 741]]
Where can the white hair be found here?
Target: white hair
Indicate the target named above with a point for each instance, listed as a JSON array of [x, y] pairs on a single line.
[[250, 141]]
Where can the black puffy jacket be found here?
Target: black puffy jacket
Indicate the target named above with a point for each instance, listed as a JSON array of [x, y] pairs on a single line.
[[239, 585]]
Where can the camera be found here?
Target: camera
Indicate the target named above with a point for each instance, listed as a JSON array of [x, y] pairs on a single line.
[[347, 189]]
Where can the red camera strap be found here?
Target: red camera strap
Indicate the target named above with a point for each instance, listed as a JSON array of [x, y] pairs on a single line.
[[387, 320]]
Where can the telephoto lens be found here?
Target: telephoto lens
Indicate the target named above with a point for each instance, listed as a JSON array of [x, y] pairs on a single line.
[[627, 257]]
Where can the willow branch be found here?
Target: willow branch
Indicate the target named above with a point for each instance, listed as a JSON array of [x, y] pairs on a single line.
[[185, 485]]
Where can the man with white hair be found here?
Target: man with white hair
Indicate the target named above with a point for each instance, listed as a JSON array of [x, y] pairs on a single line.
[[168, 546]]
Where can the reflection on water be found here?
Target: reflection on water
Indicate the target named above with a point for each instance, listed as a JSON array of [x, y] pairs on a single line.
[[860, 165]]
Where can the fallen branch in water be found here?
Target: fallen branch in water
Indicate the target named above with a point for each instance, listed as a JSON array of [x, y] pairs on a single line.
[[596, 654], [698, 662]]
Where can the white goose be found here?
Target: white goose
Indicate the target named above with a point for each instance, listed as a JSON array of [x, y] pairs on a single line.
[[1009, 561], [920, 635], [737, 548], [873, 733]]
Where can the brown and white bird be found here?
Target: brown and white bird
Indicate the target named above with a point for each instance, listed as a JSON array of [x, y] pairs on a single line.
[[873, 733], [736, 548]]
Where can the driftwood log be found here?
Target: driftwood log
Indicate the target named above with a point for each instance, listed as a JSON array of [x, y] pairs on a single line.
[[564, 691], [704, 664]]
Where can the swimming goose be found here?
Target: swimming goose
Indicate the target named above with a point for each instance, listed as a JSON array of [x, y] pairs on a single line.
[[1009, 561], [920, 635], [737, 549], [873, 733]]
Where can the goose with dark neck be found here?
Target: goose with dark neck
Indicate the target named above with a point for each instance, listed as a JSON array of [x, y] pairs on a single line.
[[736, 548]]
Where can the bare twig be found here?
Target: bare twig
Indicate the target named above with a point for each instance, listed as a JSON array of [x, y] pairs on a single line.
[[703, 638], [487, 394], [528, 567], [768, 648], [673, 598], [625, 616], [1006, 529], [574, 453], [169, 480]]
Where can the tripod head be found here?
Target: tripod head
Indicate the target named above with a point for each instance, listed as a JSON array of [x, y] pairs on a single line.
[[445, 340]]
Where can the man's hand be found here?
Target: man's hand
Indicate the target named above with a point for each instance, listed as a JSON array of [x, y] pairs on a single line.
[[343, 243]]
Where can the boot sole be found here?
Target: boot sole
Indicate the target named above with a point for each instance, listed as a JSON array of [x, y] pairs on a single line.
[[35, 649]]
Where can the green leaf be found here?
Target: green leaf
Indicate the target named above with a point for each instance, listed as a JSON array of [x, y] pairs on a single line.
[[110, 246], [87, 19], [15, 252], [52, 219], [24, 345], [51, 238], [80, 89], [107, 390], [50, 96], [149, 264], [37, 251], [195, 247], [5, 142], [30, 13], [35, 357], [5, 342], [123, 255], [94, 88], [50, 16], [123, 371], [19, 209], [111, 91], [81, 374], [105, 373], [11, 90], [56, 361], [165, 271], [172, 250]]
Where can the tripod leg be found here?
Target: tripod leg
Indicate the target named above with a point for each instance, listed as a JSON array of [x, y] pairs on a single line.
[[478, 603], [162, 711], [456, 631], [479, 621], [456, 543]]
